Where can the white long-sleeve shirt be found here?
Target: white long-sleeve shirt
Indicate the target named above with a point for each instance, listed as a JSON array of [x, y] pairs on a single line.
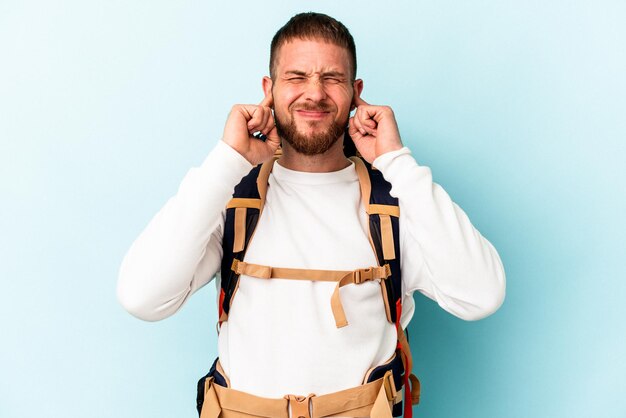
[[285, 328]]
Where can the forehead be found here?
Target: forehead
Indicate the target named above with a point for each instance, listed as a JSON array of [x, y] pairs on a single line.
[[312, 56]]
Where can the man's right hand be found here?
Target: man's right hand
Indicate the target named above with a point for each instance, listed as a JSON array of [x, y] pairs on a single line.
[[243, 121]]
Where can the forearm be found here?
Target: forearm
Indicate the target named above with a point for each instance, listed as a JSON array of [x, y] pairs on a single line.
[[172, 257], [446, 257]]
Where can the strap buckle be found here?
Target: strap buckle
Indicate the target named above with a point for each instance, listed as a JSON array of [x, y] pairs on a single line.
[[235, 266], [363, 275], [390, 387], [300, 405], [387, 268], [371, 273]]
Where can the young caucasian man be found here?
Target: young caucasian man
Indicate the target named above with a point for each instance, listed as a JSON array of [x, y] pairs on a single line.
[[308, 323]]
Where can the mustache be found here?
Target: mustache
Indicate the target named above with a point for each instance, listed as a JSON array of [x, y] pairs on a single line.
[[319, 107]]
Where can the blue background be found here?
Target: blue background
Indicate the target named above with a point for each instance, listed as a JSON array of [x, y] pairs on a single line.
[[519, 107]]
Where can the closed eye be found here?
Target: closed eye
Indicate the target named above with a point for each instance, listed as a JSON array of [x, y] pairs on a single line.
[[332, 80]]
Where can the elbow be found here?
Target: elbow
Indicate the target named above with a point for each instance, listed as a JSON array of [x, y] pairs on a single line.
[[480, 299], [490, 289], [135, 299], [487, 307], [489, 298], [136, 306]]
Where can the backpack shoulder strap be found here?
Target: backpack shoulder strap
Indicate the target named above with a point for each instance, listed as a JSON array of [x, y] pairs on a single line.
[[384, 230], [242, 214]]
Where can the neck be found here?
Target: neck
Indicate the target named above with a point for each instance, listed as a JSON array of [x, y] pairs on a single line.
[[332, 160]]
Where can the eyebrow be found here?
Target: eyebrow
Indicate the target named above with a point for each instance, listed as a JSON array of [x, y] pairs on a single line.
[[322, 74]]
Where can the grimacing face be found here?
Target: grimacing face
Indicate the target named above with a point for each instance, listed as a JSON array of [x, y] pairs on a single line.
[[312, 93]]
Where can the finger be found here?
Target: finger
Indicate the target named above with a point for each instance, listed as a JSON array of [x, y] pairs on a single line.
[[273, 138], [369, 124], [256, 121], [268, 101], [268, 123], [365, 114], [358, 125], [366, 124], [352, 129], [265, 114], [359, 102]]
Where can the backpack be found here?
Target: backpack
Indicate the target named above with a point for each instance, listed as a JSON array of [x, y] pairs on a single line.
[[242, 215]]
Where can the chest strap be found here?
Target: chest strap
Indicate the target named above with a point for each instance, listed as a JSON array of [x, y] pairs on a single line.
[[342, 278]]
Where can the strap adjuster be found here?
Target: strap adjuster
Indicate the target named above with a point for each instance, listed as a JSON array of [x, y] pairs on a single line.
[[235, 266], [390, 387], [300, 405], [387, 268]]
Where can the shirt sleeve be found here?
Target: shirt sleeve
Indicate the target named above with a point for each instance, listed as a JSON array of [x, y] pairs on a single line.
[[443, 255], [180, 250]]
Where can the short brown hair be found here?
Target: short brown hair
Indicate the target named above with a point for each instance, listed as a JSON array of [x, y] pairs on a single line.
[[316, 26]]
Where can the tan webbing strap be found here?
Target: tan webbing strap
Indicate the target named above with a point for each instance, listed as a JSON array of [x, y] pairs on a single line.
[[241, 206], [356, 277], [210, 406], [267, 272], [382, 406], [415, 389], [240, 229], [342, 278], [234, 403], [261, 181], [371, 399], [404, 345], [240, 202], [407, 360], [384, 211], [364, 182], [366, 191], [386, 232], [391, 210], [383, 290]]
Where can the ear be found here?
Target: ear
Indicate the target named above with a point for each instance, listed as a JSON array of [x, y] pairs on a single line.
[[358, 88], [267, 88]]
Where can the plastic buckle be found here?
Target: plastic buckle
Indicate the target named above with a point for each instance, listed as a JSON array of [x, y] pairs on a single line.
[[235, 266], [363, 275], [300, 405], [387, 270], [390, 386]]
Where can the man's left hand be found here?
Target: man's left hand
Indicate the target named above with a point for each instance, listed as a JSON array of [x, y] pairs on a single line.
[[374, 130]]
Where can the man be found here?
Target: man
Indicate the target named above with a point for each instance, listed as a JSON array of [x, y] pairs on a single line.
[[283, 331]]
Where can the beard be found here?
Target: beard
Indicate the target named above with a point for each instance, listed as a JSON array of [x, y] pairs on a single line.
[[312, 144]]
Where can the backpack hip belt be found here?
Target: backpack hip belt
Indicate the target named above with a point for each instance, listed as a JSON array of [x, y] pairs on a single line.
[[374, 398]]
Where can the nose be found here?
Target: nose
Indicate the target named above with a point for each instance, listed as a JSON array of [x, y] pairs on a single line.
[[314, 90]]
